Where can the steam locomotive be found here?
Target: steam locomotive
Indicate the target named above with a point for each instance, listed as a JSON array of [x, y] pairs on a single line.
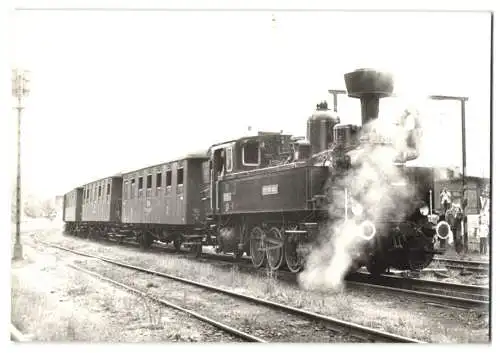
[[276, 197]]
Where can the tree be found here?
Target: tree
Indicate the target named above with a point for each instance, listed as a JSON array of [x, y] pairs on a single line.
[[48, 208], [32, 206]]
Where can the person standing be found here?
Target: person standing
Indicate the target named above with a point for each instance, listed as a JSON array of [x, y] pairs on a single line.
[[483, 236], [445, 196], [456, 228]]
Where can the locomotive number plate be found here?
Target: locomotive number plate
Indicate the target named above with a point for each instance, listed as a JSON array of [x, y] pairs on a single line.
[[269, 189]]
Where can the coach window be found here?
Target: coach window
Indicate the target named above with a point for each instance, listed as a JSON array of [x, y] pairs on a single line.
[[132, 188], [158, 180], [229, 159], [99, 192], [108, 189], [149, 185], [180, 176], [125, 189], [169, 179], [140, 186], [250, 154], [158, 183]]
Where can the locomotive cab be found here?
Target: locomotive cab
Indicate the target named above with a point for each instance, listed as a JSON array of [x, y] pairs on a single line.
[[254, 152], [231, 158]]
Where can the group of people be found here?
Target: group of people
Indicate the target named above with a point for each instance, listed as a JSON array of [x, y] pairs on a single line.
[[454, 215]]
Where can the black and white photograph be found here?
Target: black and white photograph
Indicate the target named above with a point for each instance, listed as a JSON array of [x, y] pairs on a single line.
[[232, 175]]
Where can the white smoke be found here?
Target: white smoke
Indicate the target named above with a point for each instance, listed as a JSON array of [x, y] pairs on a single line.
[[375, 182]]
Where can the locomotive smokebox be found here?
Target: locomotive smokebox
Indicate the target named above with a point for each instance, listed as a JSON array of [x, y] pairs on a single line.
[[369, 86]]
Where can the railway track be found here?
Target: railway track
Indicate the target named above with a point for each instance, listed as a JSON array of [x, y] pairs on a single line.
[[226, 328], [482, 267], [437, 292], [433, 292], [313, 320], [452, 294]]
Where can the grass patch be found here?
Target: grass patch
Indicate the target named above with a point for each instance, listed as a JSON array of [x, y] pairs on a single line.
[[34, 313]]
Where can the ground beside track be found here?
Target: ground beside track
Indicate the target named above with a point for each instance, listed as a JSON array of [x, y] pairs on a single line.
[[455, 275], [53, 302], [389, 312], [451, 253]]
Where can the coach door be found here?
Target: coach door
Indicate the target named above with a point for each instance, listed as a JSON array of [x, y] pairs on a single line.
[[216, 174]]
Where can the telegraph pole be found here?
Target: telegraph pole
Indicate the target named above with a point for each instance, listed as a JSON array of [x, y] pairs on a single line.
[[19, 91], [462, 101]]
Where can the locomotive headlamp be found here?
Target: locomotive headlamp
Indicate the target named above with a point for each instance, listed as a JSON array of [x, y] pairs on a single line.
[[368, 230], [356, 208], [424, 210], [443, 230]]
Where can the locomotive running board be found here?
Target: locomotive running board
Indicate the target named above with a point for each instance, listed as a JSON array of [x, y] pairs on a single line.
[[192, 236], [296, 231]]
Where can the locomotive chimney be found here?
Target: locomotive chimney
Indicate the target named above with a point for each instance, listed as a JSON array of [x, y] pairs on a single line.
[[369, 86]]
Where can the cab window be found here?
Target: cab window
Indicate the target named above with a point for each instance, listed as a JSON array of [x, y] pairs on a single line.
[[251, 153]]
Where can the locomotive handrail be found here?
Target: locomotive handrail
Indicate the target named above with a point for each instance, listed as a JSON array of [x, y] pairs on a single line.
[[253, 171]]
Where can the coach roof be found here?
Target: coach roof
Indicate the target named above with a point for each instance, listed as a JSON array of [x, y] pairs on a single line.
[[194, 155]]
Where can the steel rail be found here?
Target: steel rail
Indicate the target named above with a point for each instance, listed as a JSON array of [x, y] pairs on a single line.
[[353, 329], [441, 298], [465, 303], [475, 269], [466, 262], [468, 265], [224, 327], [461, 302], [417, 282]]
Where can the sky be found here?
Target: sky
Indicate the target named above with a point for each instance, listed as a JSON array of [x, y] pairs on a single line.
[[117, 91]]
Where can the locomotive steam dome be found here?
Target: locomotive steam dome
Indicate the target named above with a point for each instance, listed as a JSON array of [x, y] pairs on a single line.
[[369, 86], [320, 127]]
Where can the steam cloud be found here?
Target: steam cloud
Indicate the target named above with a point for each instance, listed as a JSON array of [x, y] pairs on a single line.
[[378, 185]]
